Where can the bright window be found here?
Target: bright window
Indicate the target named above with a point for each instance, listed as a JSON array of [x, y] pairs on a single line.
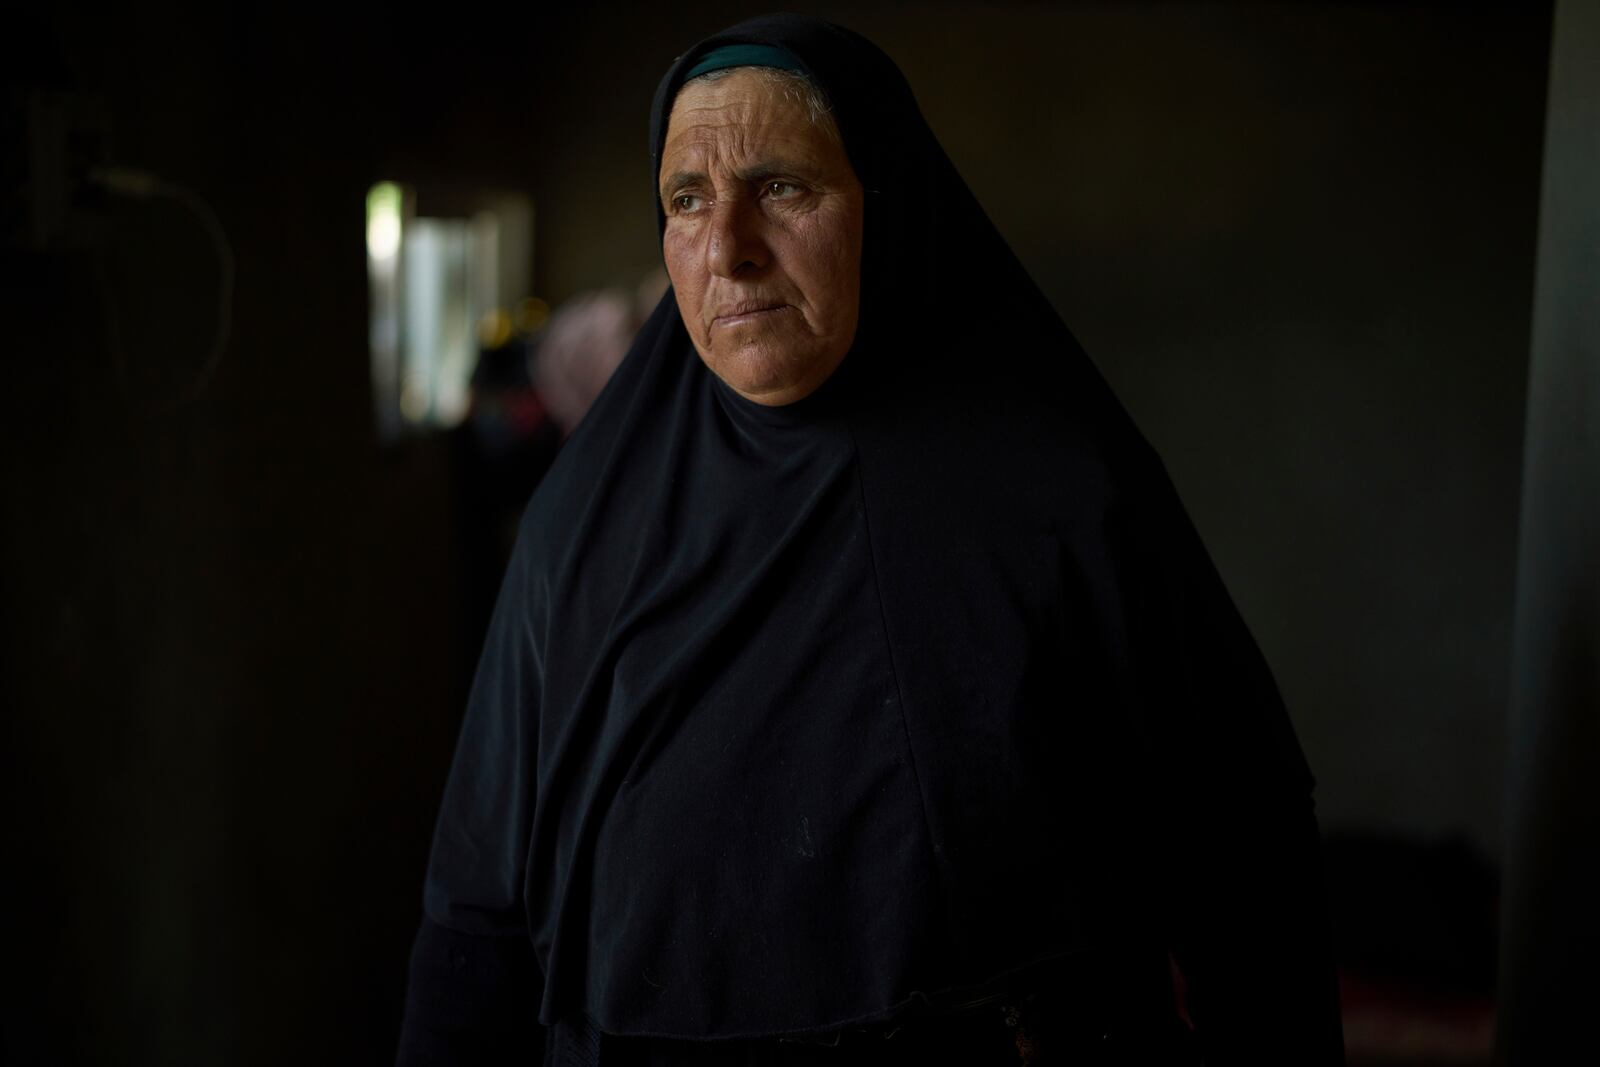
[[439, 282]]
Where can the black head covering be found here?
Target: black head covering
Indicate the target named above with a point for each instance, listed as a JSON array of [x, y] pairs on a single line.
[[791, 717], [931, 255]]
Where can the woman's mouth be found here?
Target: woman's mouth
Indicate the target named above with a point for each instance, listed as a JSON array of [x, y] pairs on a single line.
[[747, 314]]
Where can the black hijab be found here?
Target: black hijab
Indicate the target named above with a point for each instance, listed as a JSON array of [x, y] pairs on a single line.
[[792, 717]]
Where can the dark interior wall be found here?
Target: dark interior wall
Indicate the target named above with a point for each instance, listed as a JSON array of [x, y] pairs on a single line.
[[1298, 240], [230, 627]]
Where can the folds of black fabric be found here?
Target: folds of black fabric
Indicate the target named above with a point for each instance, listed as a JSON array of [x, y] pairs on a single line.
[[791, 719], [468, 1001]]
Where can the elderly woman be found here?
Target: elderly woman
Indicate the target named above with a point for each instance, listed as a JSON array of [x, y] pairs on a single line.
[[859, 691]]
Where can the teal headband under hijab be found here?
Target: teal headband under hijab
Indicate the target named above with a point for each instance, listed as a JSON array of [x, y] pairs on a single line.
[[744, 55]]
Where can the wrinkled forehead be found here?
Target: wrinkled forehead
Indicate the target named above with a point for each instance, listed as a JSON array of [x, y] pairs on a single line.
[[740, 104], [743, 115]]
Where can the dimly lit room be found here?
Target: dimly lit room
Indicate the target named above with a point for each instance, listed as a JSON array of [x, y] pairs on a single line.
[[307, 306]]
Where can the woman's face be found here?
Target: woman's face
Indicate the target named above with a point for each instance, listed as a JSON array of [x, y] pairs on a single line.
[[763, 235]]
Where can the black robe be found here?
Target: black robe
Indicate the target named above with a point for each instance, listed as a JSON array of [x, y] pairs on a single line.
[[796, 719]]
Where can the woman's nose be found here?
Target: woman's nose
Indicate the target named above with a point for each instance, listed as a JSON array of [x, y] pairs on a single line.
[[736, 245]]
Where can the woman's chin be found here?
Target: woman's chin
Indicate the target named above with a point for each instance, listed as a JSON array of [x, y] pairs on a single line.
[[764, 376]]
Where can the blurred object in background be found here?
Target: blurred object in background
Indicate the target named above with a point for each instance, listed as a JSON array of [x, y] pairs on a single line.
[[1550, 947], [1415, 939], [587, 338], [433, 279], [504, 410], [535, 375], [501, 450]]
